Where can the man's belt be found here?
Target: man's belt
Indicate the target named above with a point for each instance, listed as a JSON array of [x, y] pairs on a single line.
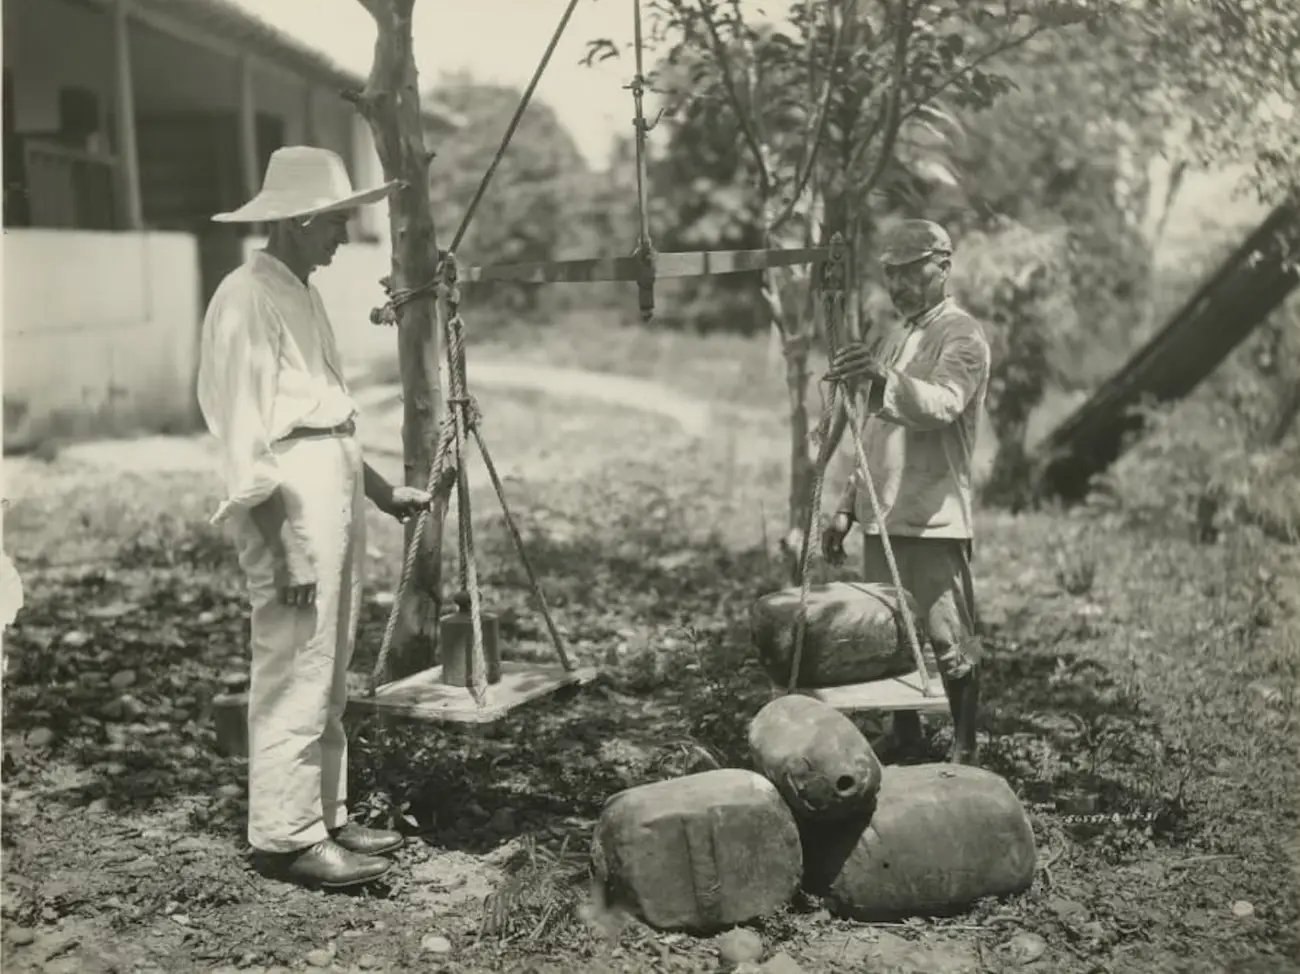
[[343, 429]]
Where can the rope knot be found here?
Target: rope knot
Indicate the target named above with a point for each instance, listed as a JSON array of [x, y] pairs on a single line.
[[473, 415], [398, 298]]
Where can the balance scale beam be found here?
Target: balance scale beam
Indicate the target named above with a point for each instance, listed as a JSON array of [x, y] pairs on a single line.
[[700, 263], [423, 696], [884, 696]]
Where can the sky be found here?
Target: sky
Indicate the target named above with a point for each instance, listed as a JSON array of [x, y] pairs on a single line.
[[497, 41]]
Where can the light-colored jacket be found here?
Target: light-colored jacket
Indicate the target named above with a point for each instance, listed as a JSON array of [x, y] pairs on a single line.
[[268, 363], [920, 429]]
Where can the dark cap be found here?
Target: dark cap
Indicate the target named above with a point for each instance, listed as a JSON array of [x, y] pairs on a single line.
[[914, 240]]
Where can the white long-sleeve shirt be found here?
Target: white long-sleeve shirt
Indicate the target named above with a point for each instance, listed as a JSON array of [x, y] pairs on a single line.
[[920, 428], [268, 363]]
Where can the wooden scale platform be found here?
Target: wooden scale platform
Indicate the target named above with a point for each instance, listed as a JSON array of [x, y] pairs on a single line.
[[884, 696], [423, 696]]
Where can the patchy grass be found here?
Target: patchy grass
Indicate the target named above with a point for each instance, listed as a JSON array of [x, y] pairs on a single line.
[[1133, 673]]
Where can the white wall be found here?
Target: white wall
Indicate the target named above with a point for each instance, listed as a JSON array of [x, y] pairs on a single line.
[[372, 221], [350, 288], [116, 354], [112, 355]]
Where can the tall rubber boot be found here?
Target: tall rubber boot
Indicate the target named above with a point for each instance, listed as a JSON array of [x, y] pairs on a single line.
[[905, 741], [964, 697]]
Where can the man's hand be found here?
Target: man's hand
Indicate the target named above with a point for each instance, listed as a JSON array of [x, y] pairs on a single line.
[[402, 503], [295, 575], [854, 363], [833, 536], [405, 503], [295, 580]]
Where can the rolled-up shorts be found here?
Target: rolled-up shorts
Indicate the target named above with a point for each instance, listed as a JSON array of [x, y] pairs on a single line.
[[937, 573]]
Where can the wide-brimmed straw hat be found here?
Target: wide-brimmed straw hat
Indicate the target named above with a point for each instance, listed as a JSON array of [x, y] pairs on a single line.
[[304, 180]]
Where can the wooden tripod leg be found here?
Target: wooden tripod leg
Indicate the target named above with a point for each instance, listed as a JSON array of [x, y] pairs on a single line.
[[523, 554], [868, 482]]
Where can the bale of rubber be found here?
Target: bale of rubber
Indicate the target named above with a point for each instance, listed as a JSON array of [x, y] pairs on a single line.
[[823, 766], [941, 837], [854, 634], [699, 853]]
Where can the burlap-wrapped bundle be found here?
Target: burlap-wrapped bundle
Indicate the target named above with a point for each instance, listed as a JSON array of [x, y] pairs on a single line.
[[855, 634]]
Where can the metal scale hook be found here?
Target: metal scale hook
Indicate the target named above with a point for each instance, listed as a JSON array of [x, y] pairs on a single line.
[[645, 248]]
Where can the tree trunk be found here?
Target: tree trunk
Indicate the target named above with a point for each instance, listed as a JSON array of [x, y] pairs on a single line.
[[1010, 482], [796, 341], [803, 468], [838, 220], [1175, 184], [390, 104]]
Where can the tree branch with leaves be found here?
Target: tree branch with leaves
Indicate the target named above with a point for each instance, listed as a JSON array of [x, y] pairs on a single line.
[[880, 67]]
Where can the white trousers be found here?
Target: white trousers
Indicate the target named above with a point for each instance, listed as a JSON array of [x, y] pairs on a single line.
[[297, 750]]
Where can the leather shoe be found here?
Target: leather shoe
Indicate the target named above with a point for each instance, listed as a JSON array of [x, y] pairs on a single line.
[[330, 866], [366, 842]]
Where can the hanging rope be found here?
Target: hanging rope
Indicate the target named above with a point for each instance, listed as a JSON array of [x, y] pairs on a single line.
[[833, 302], [440, 480], [403, 296], [833, 299]]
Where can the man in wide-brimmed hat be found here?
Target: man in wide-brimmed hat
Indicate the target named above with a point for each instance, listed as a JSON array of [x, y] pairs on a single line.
[[929, 378], [271, 390]]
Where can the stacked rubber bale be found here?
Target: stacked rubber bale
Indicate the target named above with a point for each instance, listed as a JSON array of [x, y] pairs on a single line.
[[853, 633], [699, 853], [878, 843], [712, 850]]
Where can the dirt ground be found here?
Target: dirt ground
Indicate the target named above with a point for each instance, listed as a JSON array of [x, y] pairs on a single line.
[[1154, 682]]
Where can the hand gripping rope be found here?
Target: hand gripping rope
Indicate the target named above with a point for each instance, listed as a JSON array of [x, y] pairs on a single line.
[[833, 306]]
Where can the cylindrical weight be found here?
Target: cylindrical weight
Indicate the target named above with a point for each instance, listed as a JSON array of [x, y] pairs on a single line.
[[457, 645]]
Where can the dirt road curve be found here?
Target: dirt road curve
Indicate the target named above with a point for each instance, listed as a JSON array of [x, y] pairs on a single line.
[[605, 387], [382, 419]]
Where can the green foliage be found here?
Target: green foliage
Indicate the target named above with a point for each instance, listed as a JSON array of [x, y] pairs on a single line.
[[816, 123], [1225, 457], [1234, 67], [542, 204], [1070, 152], [540, 894], [1196, 473], [1015, 281]]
